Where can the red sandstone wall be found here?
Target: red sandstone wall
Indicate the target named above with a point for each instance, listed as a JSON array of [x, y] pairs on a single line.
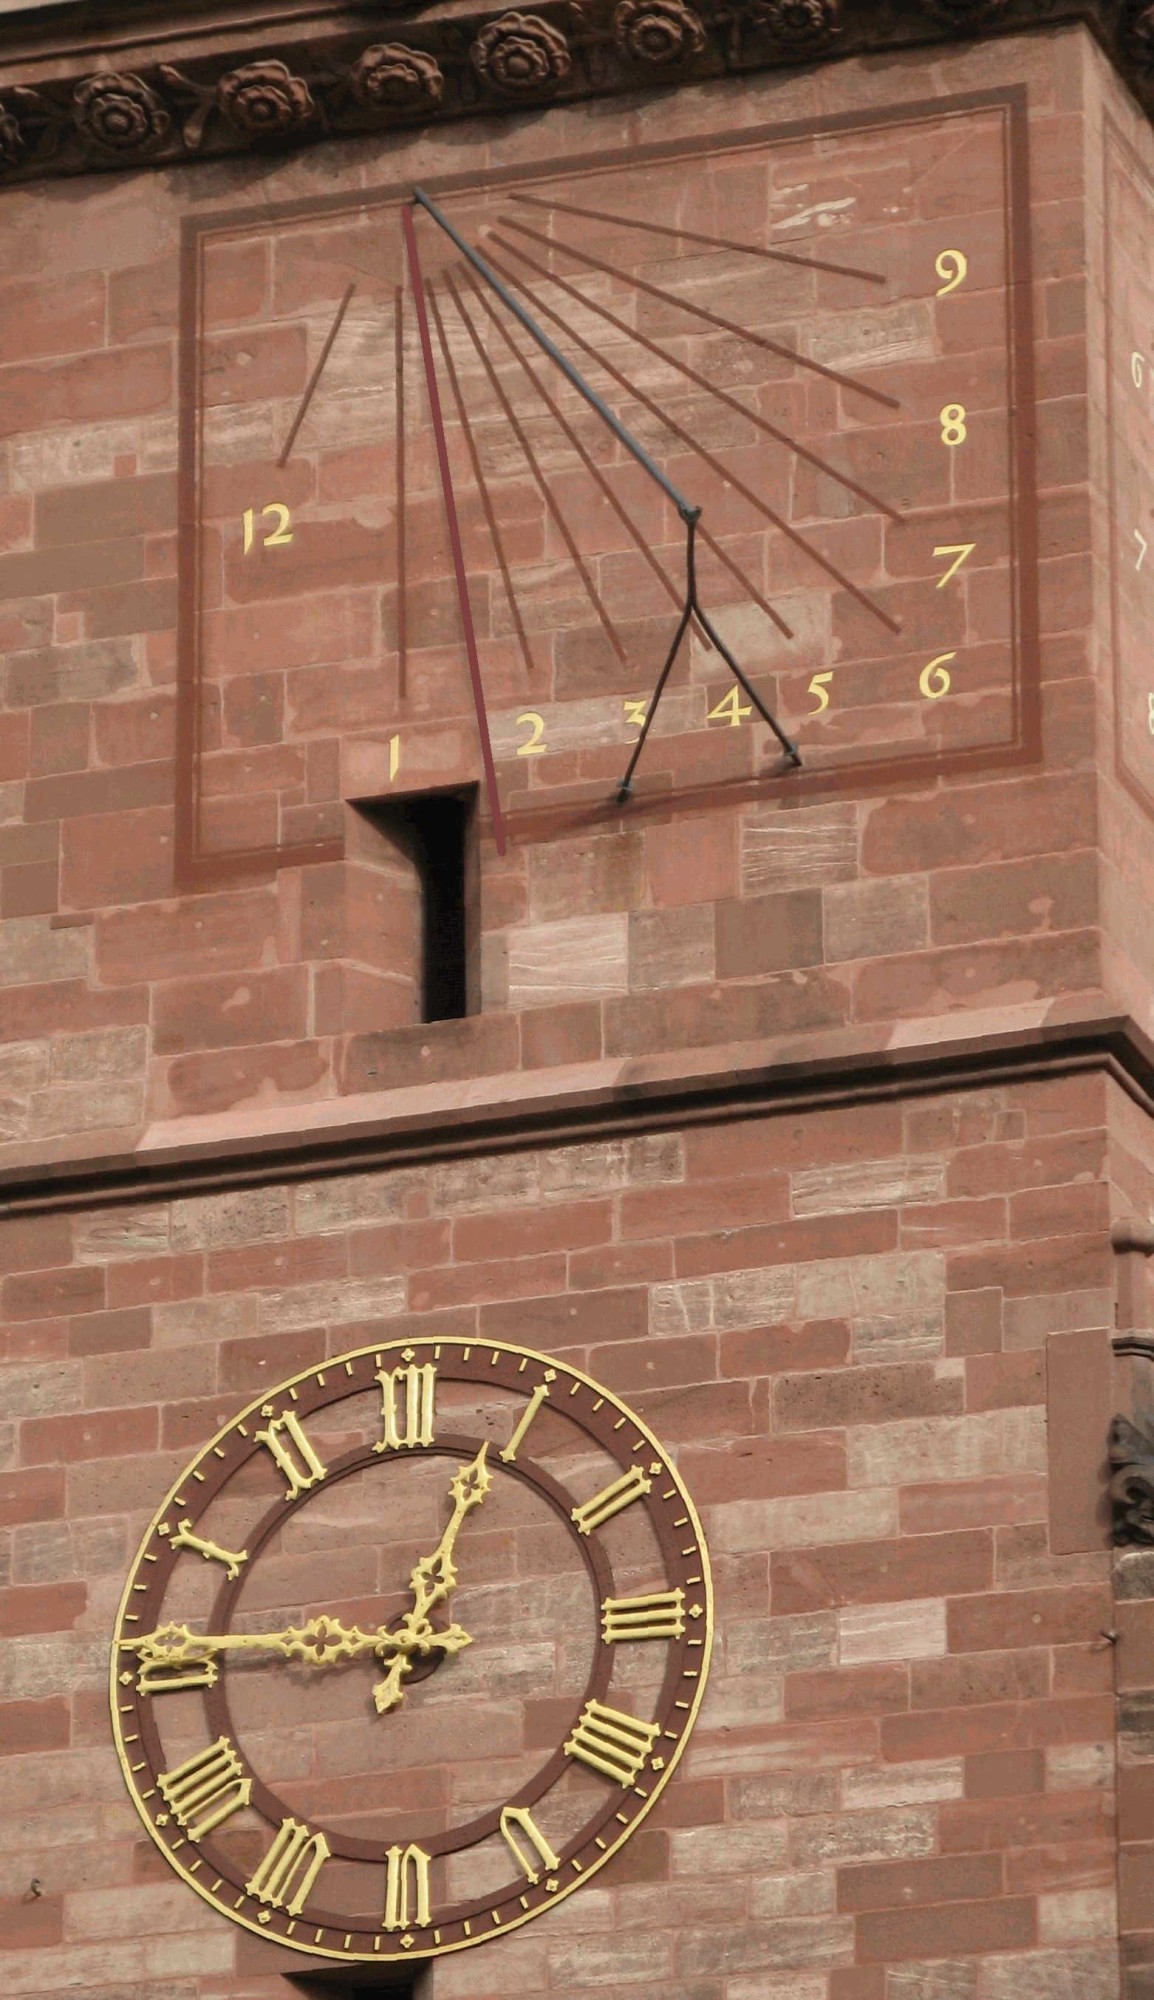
[[837, 1321], [122, 1002]]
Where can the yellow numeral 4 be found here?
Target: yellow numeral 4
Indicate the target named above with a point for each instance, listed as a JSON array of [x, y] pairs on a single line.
[[730, 709]]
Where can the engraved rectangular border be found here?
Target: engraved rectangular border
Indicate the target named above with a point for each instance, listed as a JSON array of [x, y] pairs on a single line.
[[1117, 150], [195, 869]]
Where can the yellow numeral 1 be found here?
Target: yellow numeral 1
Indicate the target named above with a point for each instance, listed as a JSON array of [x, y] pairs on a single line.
[[729, 709]]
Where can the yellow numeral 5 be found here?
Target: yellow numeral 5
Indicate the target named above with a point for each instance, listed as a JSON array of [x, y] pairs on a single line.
[[819, 686]]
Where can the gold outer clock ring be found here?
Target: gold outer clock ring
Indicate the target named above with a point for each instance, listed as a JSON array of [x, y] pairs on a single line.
[[348, 1380]]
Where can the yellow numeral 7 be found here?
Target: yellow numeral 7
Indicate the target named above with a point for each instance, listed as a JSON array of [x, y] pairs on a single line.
[[959, 551]]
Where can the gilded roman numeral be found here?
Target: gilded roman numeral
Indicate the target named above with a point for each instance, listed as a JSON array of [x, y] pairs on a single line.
[[296, 1459], [158, 1674], [540, 1395], [406, 1887], [211, 1551], [285, 1877], [407, 1406], [614, 1744], [611, 1500], [519, 1817], [661, 1616], [206, 1788]]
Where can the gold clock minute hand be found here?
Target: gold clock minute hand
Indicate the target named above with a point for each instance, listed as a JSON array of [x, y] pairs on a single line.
[[322, 1641], [430, 1581]]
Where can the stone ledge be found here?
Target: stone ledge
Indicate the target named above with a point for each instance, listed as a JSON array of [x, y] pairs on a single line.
[[121, 92], [601, 1099]]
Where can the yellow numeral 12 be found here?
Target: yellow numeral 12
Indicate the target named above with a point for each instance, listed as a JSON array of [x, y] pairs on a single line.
[[279, 536]]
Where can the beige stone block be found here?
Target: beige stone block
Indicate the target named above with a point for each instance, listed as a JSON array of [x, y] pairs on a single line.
[[76, 1107], [579, 958], [43, 1388], [340, 1203], [116, 1235], [107, 1055], [803, 1644], [671, 947], [801, 848], [1089, 1972], [867, 1184], [895, 1281], [910, 1631], [728, 1850], [1067, 1916], [808, 1520], [793, 1895], [223, 1221], [941, 1979], [865, 1836], [927, 1448], [34, 955], [869, 919], [903, 1784], [332, 1304], [1080, 1767]]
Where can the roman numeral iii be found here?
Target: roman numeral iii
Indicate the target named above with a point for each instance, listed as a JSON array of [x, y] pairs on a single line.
[[611, 1500], [616, 1745], [661, 1616]]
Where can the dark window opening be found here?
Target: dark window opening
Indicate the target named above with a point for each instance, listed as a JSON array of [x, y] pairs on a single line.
[[356, 1982], [431, 836]]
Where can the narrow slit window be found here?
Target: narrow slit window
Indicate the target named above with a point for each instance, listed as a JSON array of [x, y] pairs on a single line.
[[417, 922]]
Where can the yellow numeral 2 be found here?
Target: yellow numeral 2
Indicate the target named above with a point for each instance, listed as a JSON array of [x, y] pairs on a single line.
[[535, 747]]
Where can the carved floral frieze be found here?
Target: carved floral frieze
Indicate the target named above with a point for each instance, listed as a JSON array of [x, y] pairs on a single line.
[[280, 97]]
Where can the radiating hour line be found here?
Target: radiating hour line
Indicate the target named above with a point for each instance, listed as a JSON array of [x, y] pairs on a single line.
[[402, 554], [482, 486], [701, 312], [723, 396], [748, 587], [314, 378], [594, 470], [711, 242], [550, 501], [770, 514]]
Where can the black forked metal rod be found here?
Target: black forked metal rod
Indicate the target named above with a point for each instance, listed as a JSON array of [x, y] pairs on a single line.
[[690, 514], [685, 508]]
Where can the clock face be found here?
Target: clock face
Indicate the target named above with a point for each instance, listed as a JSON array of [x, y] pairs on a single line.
[[1129, 221], [411, 1648], [822, 337]]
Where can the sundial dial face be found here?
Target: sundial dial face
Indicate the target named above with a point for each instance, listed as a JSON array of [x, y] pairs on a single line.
[[813, 333]]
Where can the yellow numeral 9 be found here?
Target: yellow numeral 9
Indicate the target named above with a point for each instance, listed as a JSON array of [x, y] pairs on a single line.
[[952, 265]]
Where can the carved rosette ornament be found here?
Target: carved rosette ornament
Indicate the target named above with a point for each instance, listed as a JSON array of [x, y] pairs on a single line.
[[965, 14], [1138, 31], [657, 32], [521, 55], [11, 141], [118, 113], [802, 25], [264, 100], [1131, 1483], [390, 76]]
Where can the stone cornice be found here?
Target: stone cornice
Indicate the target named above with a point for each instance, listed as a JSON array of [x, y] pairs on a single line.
[[132, 85], [610, 1098]]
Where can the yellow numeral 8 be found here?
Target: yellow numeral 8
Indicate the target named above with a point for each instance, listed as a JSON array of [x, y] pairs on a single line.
[[953, 423]]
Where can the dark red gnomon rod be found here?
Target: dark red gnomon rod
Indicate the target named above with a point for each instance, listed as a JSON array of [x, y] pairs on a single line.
[[454, 530], [689, 514]]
